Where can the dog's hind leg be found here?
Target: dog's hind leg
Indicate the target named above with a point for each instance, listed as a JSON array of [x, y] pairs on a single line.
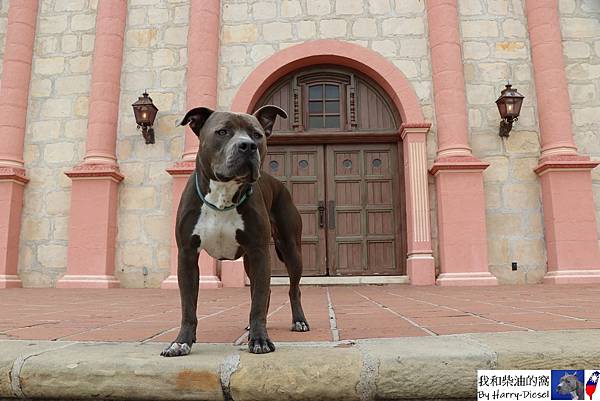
[[293, 263], [288, 245]]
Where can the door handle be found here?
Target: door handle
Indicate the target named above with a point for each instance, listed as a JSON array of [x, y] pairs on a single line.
[[321, 214], [331, 214]]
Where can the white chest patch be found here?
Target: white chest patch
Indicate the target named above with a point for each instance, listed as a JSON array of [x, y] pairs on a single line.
[[217, 229]]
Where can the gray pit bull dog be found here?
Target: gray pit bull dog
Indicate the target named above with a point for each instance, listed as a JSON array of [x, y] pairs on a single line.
[[230, 208], [570, 384]]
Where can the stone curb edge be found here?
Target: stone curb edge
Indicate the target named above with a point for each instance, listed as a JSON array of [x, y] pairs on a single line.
[[401, 368]]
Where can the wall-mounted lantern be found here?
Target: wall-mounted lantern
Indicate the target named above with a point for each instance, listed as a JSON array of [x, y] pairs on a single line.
[[145, 113], [509, 104]]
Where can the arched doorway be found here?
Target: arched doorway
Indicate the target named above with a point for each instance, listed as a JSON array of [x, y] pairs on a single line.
[[338, 155], [410, 136]]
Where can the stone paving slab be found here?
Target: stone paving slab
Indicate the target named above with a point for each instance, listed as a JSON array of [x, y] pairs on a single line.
[[335, 312], [425, 368]]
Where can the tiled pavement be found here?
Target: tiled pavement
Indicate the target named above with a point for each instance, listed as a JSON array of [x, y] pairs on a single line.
[[334, 312]]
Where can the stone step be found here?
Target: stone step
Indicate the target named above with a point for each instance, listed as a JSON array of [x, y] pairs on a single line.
[[443, 367]]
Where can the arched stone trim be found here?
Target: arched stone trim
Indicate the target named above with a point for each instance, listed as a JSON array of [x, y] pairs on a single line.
[[413, 132], [329, 51]]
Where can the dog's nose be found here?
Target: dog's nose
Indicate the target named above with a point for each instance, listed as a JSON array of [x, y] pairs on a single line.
[[247, 147]]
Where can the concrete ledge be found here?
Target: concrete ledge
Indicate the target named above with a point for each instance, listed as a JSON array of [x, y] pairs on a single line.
[[442, 367]]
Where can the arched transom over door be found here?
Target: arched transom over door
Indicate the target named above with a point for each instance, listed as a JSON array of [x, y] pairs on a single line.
[[338, 154]]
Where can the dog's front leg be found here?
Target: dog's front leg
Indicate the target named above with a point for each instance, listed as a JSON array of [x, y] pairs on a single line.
[[187, 277], [259, 268]]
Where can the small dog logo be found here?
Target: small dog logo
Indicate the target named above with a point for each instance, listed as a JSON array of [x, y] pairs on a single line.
[[570, 384], [591, 384]]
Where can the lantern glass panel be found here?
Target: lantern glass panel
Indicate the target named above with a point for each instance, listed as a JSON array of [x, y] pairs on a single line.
[[510, 107], [501, 107], [141, 114], [152, 114], [518, 104]]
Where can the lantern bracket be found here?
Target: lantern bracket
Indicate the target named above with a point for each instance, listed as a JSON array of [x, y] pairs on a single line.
[[506, 126], [147, 133]]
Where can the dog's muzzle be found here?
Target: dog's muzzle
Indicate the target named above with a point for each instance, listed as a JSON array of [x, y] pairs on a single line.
[[247, 148], [242, 163]]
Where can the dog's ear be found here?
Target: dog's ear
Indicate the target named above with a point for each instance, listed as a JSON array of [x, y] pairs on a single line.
[[196, 118], [266, 116]]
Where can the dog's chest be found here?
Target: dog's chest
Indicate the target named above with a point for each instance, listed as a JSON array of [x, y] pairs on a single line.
[[217, 229]]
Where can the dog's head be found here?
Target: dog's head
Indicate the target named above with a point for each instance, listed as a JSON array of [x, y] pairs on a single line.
[[232, 145], [568, 384]]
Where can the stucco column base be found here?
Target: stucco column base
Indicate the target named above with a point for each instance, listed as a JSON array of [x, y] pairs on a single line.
[[170, 283], [10, 281], [572, 277], [12, 185], [464, 279], [92, 227], [569, 219], [208, 266], [210, 281], [421, 269], [461, 222], [87, 281], [208, 272], [233, 274]]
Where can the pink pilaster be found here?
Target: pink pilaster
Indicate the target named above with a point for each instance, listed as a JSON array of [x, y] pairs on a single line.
[[203, 62], [553, 105], [448, 79], [567, 196], [420, 264], [459, 178], [461, 223], [12, 183], [92, 228], [94, 193], [14, 94]]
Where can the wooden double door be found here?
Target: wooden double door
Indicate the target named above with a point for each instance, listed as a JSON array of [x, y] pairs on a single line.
[[349, 197]]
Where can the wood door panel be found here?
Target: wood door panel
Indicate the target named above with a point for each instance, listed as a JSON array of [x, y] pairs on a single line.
[[301, 168], [348, 223], [304, 164], [380, 222], [379, 192], [346, 164], [381, 256], [377, 163], [350, 258], [365, 238], [304, 193], [275, 164], [348, 193]]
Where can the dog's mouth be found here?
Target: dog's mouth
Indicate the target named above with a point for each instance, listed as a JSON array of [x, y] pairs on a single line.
[[248, 177], [242, 171], [223, 178]]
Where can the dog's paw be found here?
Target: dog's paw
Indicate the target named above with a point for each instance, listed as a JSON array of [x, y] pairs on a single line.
[[176, 349], [260, 345], [300, 326]]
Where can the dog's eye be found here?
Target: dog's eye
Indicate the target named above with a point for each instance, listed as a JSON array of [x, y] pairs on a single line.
[[222, 132], [257, 135]]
